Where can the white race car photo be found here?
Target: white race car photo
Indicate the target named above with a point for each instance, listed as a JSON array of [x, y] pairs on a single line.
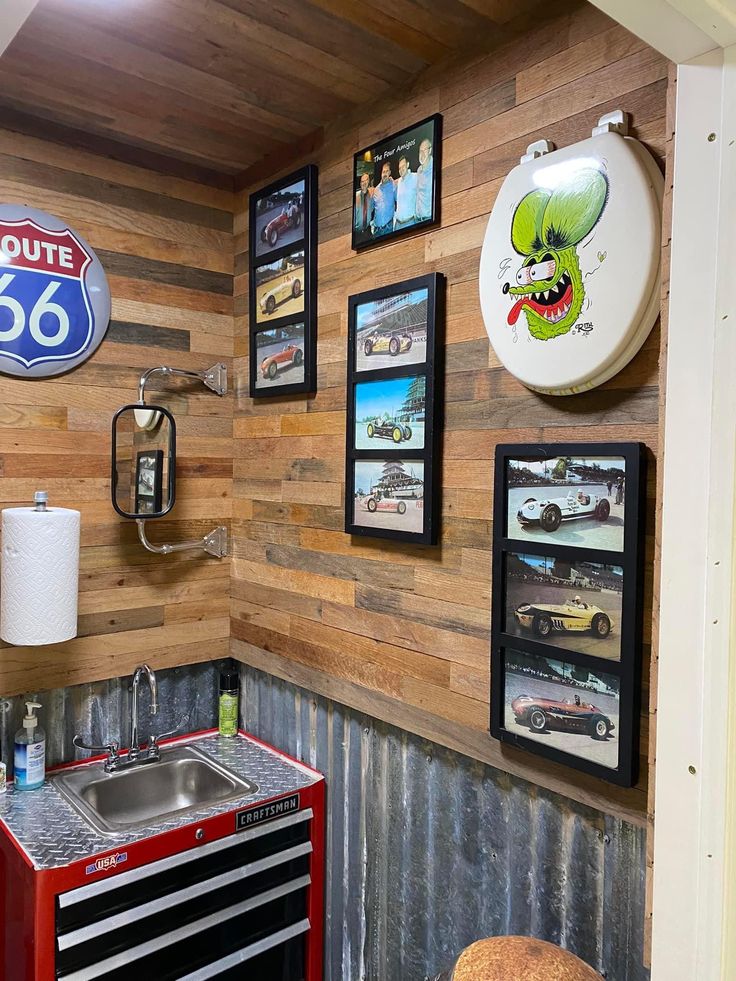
[[551, 512]]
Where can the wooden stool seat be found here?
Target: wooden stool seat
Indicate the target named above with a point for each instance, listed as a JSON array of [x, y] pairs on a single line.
[[520, 959]]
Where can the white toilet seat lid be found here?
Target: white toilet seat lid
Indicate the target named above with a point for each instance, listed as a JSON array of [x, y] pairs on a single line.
[[569, 272]]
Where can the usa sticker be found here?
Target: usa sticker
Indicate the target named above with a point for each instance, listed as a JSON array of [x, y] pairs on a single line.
[[106, 863], [266, 812], [54, 296]]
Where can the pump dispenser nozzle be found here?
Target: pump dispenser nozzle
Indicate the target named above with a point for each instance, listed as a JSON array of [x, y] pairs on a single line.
[[29, 719]]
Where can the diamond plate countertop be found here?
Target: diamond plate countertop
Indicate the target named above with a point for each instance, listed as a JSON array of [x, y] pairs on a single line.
[[52, 834]]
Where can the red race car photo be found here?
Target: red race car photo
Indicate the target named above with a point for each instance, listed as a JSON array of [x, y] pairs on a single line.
[[290, 217], [288, 356], [542, 714]]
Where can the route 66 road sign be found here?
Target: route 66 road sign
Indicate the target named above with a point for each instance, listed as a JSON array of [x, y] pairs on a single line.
[[54, 296]]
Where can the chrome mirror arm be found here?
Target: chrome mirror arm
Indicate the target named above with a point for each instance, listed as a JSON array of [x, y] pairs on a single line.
[[215, 378], [214, 543]]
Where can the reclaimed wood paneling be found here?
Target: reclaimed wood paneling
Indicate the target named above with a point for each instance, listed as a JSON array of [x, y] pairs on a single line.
[[226, 82], [166, 244], [402, 632]]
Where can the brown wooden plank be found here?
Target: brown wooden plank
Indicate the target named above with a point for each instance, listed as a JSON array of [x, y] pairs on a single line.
[[205, 73], [55, 432], [551, 79]]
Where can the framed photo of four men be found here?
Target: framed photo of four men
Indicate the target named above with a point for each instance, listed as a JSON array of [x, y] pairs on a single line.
[[396, 184]]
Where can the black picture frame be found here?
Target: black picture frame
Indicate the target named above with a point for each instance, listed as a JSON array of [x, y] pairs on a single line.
[[629, 558], [425, 457], [161, 511], [398, 143], [149, 461], [286, 325]]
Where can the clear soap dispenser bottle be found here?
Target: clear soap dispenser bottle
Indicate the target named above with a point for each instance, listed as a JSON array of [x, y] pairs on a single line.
[[30, 752]]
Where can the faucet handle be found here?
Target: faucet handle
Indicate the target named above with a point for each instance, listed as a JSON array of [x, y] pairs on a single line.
[[110, 748], [153, 741]]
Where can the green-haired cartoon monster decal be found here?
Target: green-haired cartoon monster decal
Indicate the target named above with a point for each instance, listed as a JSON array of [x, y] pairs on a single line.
[[547, 226]]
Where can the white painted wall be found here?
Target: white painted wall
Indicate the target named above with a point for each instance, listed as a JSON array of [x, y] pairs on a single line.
[[663, 27], [715, 17], [13, 14]]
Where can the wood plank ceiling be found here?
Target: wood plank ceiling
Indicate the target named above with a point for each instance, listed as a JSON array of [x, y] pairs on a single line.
[[220, 84]]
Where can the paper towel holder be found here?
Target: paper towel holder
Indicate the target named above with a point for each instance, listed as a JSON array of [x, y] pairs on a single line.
[[147, 419], [39, 573]]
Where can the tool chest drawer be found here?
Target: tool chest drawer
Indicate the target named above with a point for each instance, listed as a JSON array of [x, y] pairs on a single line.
[[199, 914]]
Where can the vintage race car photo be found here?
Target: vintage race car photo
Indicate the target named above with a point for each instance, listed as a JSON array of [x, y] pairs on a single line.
[[542, 714], [286, 289], [288, 219], [544, 618], [388, 429], [550, 513], [377, 503], [289, 355], [379, 343]]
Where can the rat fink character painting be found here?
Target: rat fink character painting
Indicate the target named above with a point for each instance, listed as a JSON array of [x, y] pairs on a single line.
[[547, 226]]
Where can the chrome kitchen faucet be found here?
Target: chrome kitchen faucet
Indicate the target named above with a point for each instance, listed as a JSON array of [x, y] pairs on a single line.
[[135, 755], [141, 672]]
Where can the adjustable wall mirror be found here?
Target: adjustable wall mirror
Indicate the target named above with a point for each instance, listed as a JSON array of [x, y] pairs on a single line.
[[143, 478], [143, 461]]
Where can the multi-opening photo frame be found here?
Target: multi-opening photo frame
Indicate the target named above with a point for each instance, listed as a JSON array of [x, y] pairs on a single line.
[[567, 603], [394, 395], [283, 286], [149, 465]]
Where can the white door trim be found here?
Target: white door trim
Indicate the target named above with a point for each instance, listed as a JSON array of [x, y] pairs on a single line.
[[694, 899], [694, 706]]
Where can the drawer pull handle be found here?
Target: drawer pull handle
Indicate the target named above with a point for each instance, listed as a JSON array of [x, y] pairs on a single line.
[[125, 957]]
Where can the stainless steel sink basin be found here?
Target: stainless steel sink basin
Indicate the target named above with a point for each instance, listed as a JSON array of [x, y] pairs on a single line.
[[184, 778]]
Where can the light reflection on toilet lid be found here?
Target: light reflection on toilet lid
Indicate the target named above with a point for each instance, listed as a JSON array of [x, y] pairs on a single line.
[[569, 273]]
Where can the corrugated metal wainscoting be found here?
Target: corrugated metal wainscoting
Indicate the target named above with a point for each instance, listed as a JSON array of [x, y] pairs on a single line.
[[100, 710], [429, 850]]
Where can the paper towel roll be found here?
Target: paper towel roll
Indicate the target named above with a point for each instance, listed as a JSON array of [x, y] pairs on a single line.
[[39, 577]]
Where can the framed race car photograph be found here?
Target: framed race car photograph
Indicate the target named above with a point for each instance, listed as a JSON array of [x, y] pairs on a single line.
[[567, 601], [279, 214], [391, 330], [567, 707], [391, 411], [567, 500], [283, 286], [280, 287], [279, 355], [394, 411], [389, 495], [562, 603]]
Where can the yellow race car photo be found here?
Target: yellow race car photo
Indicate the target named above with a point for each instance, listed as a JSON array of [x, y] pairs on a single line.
[[571, 617], [379, 343], [289, 287]]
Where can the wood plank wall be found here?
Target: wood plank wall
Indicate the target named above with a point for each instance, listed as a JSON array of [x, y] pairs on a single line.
[[166, 244], [403, 632]]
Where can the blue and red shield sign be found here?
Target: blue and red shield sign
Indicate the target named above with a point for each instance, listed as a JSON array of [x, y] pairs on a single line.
[[54, 298]]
